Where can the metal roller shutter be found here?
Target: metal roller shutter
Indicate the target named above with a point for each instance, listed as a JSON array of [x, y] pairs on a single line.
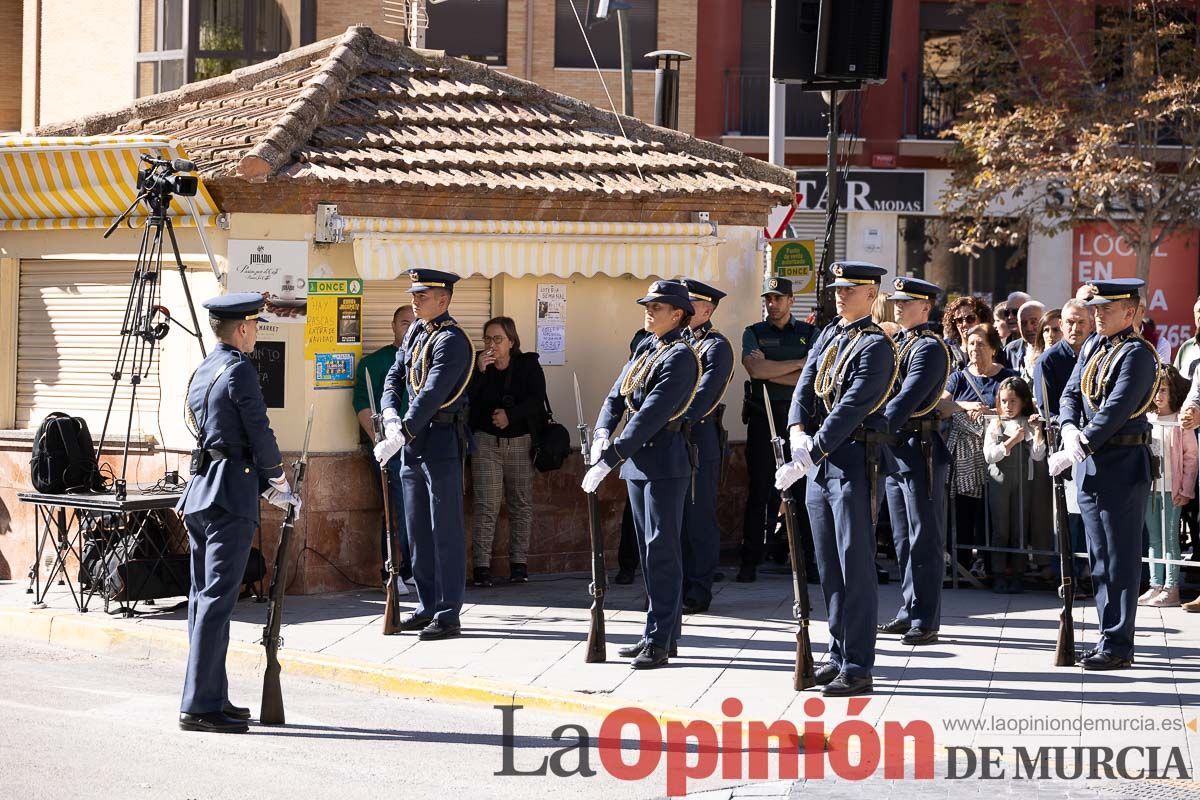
[[471, 307], [811, 225], [68, 336]]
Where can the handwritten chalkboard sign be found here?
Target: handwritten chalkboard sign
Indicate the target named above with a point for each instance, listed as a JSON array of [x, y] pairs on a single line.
[[270, 358]]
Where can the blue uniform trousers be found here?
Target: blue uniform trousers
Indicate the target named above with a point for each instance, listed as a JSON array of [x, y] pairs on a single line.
[[839, 509], [220, 546], [919, 533], [433, 507], [658, 519], [701, 534], [1112, 523]]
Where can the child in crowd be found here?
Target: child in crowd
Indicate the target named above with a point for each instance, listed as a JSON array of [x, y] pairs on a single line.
[[1171, 491], [1013, 441]]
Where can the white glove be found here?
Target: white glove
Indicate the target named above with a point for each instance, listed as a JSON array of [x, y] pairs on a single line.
[[282, 500], [790, 473], [1059, 462], [281, 484], [1073, 444], [596, 474], [1156, 447], [799, 440], [389, 447], [392, 428], [600, 441]]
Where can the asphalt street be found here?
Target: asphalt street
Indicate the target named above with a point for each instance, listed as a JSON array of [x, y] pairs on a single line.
[[76, 725]]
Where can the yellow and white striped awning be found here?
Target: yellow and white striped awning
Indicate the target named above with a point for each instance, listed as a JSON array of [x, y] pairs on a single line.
[[385, 248], [71, 182]]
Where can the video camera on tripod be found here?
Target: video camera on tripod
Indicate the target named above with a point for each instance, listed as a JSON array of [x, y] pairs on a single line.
[[160, 178]]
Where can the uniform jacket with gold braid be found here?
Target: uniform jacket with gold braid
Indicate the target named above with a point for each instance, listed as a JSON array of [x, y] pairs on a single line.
[[1108, 394], [861, 365], [924, 368], [716, 359], [233, 422], [656, 386], [435, 361]]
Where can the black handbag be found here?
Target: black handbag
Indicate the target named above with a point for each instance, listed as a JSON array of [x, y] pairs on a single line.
[[551, 443]]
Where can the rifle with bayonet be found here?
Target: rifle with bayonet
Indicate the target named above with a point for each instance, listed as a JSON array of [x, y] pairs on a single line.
[[1064, 650], [272, 697], [804, 675], [391, 603], [595, 642]]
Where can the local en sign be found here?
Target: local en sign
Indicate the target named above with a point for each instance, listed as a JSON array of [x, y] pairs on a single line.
[[796, 260]]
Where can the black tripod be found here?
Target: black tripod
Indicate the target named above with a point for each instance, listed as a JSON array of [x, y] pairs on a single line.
[[146, 320]]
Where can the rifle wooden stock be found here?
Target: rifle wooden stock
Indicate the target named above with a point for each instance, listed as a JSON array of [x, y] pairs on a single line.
[[391, 607], [595, 642], [1064, 651], [271, 712], [804, 675]]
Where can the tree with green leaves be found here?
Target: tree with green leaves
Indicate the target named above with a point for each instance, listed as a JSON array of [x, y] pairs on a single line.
[[1075, 111]]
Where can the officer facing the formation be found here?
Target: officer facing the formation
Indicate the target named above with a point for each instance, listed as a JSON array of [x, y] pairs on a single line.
[[916, 493], [773, 353], [838, 439], [236, 458], [1105, 436], [656, 387], [701, 537], [432, 436]]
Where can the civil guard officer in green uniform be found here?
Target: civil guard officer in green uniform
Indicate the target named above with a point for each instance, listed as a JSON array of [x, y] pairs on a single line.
[[236, 459], [433, 438], [774, 352], [1106, 438], [656, 387], [839, 439]]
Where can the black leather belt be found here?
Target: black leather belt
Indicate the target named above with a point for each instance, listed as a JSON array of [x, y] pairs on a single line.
[[867, 436], [920, 425], [447, 417], [1128, 440], [229, 453]]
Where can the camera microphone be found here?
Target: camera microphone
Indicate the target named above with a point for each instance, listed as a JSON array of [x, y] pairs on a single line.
[[183, 165]]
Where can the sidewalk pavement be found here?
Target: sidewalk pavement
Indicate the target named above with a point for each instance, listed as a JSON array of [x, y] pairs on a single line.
[[991, 672]]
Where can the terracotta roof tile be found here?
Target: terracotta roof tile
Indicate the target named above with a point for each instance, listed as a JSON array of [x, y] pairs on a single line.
[[361, 108]]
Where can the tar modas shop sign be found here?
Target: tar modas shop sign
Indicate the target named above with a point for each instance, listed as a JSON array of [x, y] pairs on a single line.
[[270, 359], [1102, 254], [894, 190]]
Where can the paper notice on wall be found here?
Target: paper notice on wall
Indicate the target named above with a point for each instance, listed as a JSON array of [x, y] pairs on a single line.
[[552, 323]]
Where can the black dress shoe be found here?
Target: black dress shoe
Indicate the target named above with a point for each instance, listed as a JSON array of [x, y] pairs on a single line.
[[624, 576], [482, 578], [651, 657], [1105, 661], [235, 712], [895, 625], [439, 630], [690, 607], [212, 722], [826, 673], [918, 636], [747, 573], [631, 650], [411, 622], [518, 573], [847, 686]]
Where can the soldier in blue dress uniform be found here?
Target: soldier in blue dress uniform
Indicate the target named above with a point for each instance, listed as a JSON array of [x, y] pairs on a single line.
[[236, 459], [701, 535], [433, 439], [1106, 437], [656, 387], [839, 441], [916, 494]]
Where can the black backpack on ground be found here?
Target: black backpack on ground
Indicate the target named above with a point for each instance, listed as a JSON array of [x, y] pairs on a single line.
[[64, 458]]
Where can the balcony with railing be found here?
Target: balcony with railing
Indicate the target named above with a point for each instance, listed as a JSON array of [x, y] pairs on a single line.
[[747, 104], [938, 106]]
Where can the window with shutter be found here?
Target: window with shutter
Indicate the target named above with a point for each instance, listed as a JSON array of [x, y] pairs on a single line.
[[471, 307]]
